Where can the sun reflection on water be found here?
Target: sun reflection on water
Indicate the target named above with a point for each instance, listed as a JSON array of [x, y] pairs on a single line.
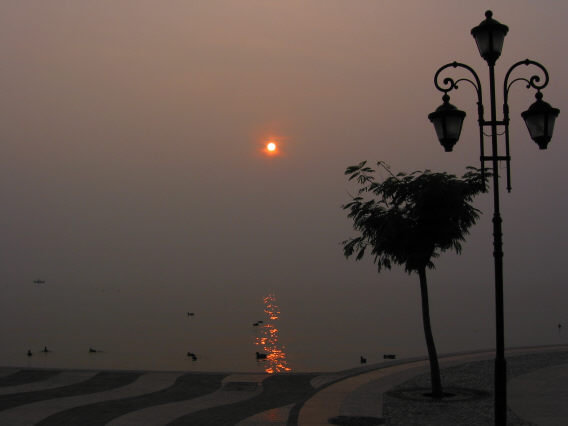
[[268, 340]]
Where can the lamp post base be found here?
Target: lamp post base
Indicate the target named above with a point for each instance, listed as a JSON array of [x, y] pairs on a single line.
[[500, 391]]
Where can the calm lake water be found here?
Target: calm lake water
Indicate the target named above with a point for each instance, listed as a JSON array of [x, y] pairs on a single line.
[[200, 343], [224, 332]]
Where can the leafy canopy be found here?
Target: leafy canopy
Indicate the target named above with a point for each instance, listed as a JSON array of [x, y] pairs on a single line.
[[409, 218]]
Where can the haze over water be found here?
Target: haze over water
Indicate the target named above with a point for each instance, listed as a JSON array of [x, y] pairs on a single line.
[[135, 181], [228, 345]]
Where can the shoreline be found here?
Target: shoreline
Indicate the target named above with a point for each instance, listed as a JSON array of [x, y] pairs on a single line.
[[353, 370]]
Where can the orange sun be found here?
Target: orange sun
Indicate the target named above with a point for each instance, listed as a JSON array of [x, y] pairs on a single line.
[[271, 148], [271, 145]]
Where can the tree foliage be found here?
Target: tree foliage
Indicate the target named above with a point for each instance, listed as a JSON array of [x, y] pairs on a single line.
[[408, 219]]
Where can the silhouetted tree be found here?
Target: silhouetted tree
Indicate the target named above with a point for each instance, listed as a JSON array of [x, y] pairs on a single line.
[[407, 220]]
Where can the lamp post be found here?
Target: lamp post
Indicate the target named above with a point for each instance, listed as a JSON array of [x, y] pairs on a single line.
[[448, 120]]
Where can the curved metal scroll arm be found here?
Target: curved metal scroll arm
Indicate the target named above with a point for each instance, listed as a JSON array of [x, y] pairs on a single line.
[[450, 84], [533, 81]]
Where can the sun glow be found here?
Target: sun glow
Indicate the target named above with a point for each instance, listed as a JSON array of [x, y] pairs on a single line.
[[271, 147]]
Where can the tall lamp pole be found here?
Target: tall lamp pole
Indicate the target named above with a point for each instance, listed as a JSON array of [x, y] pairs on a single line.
[[448, 120]]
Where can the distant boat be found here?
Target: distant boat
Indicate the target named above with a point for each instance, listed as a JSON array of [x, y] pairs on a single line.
[[389, 356], [260, 356], [39, 281], [190, 314], [363, 359]]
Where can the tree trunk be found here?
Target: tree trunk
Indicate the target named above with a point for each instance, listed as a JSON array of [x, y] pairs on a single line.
[[432, 355]]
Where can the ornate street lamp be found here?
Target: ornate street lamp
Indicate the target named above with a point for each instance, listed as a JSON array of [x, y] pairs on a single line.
[[447, 120], [489, 36], [539, 118]]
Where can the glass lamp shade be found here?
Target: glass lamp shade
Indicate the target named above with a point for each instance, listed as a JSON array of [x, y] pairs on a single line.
[[448, 121], [489, 36], [540, 118]]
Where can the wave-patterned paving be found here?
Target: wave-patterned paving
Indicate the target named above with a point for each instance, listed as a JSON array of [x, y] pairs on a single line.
[[7, 371], [90, 398], [101, 382], [87, 398], [64, 378], [28, 408], [187, 386], [23, 377], [278, 391], [235, 388]]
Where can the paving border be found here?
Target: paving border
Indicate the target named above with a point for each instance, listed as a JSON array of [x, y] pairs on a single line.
[[382, 385], [477, 375]]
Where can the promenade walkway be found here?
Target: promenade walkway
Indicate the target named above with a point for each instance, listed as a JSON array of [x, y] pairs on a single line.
[[369, 395]]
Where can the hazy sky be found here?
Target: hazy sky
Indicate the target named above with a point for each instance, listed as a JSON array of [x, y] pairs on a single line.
[[133, 178]]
